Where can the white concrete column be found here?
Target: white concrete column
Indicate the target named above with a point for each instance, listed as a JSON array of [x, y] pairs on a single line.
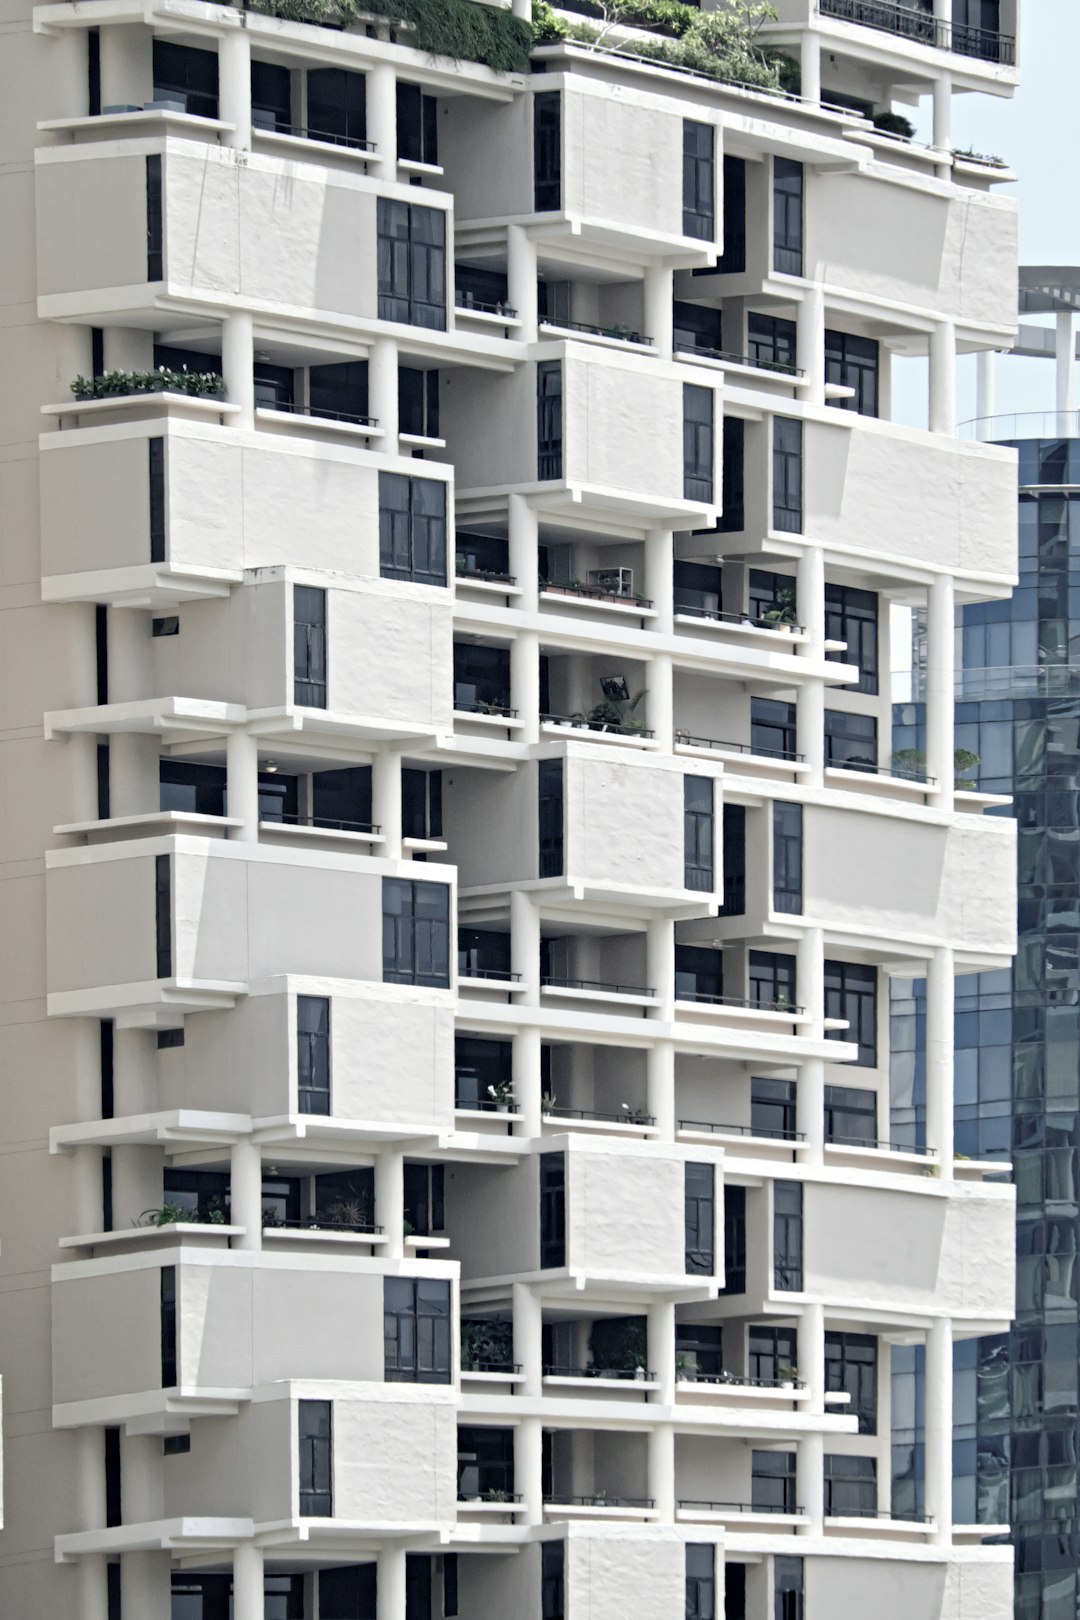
[[138, 1175], [242, 784], [245, 1185], [810, 729], [659, 578], [661, 1350], [985, 392], [660, 1088], [940, 1004], [810, 66], [810, 1108], [523, 539], [127, 348], [390, 1584], [383, 391], [381, 83], [810, 1483], [134, 764], [522, 9], [93, 1580], [528, 1317], [812, 1357], [529, 1469], [238, 365], [661, 1465], [131, 663], [525, 945], [248, 1599], [521, 283], [810, 599], [127, 71], [528, 1084], [810, 981], [134, 1072], [144, 1576], [810, 344], [525, 682], [234, 87], [390, 1200], [1065, 355], [943, 114], [660, 702], [659, 313], [939, 1427], [941, 690], [943, 378], [386, 800], [660, 964]]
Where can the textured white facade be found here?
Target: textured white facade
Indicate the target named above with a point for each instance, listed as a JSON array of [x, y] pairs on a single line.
[[535, 1243]]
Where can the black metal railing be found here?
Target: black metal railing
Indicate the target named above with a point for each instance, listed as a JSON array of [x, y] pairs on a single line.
[[321, 1223], [911, 22], [877, 1144], [551, 981], [787, 754], [628, 1116], [783, 368], [692, 1505], [761, 1131], [486, 1106], [469, 1365], [624, 1375], [290, 408], [866, 767], [478, 306], [501, 710], [595, 593], [503, 975], [737, 1380], [325, 137], [622, 334], [600, 1499], [832, 1512], [740, 1001], [583, 724], [493, 576], [496, 1498], [744, 619], [289, 818]]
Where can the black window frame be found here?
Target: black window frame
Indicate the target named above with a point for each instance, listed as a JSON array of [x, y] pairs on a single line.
[[699, 443], [271, 94], [770, 341], [699, 180], [412, 529], [425, 1197], [481, 678], [337, 111], [787, 857], [481, 1063], [547, 151], [699, 972], [551, 808], [163, 910], [773, 1107], [311, 671], [851, 740], [549, 420], [413, 954], [339, 391], [854, 1481], [699, 1212], [552, 1211], [411, 249], [347, 1592], [734, 1240], [417, 1341], [788, 1589], [170, 1366], [772, 1481], [417, 124], [853, 361], [155, 452], [789, 186], [788, 1263], [733, 259], [787, 474], [699, 833], [851, 1366], [770, 1348], [155, 219], [485, 1460], [700, 1580], [418, 402], [771, 979], [421, 803], [851, 1116], [553, 1580], [313, 1064], [732, 475], [851, 992], [773, 719], [187, 73], [315, 1458], [852, 615]]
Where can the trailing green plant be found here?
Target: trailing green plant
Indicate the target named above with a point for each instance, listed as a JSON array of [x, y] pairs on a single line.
[[724, 44], [487, 1342], [115, 384], [894, 123], [618, 1343], [617, 713], [458, 29], [971, 156], [177, 1215]]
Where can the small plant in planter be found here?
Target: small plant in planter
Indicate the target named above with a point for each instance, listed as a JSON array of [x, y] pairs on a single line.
[[783, 1004], [548, 1101], [786, 1373], [502, 1095], [496, 1496], [119, 384], [617, 714], [634, 1115]]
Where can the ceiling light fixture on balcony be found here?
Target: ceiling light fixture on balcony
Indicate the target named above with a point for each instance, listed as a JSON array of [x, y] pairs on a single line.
[[271, 767]]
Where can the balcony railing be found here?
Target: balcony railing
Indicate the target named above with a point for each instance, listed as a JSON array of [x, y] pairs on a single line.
[[594, 593], [866, 767], [740, 1001], [330, 823], [737, 1380], [692, 1505], [718, 616], [600, 1499], [488, 1106], [551, 981], [762, 1131], [352, 418], [911, 22], [503, 710], [321, 1223], [626, 1375], [622, 334], [628, 1116], [501, 975], [877, 1144], [495, 1498], [476, 306], [582, 723], [687, 740], [832, 1512], [783, 368], [491, 576], [324, 136]]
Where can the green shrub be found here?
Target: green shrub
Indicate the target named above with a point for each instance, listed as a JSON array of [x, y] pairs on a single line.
[[115, 384], [460, 29]]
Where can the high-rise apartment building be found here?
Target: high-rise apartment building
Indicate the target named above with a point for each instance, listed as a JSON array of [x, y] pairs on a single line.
[[454, 852]]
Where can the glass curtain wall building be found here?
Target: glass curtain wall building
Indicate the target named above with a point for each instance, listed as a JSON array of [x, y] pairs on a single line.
[[1017, 1422]]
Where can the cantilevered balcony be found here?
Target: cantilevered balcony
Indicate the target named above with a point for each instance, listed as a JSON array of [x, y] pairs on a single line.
[[915, 21]]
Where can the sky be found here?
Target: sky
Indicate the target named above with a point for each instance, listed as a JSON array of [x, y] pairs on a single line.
[[1037, 135]]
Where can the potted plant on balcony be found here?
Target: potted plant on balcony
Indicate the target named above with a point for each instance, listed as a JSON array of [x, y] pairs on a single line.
[[787, 1375], [502, 1095], [548, 1101], [782, 616]]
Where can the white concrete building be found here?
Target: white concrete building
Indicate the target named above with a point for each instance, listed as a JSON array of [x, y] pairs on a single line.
[[526, 586]]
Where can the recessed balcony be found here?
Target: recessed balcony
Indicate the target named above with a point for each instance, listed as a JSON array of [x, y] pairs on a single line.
[[917, 23]]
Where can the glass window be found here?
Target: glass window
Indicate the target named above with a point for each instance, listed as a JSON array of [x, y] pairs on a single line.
[[186, 75], [772, 1108], [772, 980], [163, 914], [416, 1330], [347, 1592], [733, 259], [700, 1200], [772, 1481], [853, 363], [700, 1580], [339, 391], [697, 588], [169, 1376], [416, 933], [481, 678], [697, 326], [772, 728], [769, 593], [699, 1350], [412, 264], [315, 1420], [425, 1197], [271, 96], [770, 342], [421, 803], [547, 151], [851, 993], [552, 1567], [482, 1071], [412, 529], [787, 474], [313, 1054], [155, 229], [549, 419], [309, 647], [733, 822], [417, 125], [787, 216], [337, 106], [698, 448], [852, 616], [552, 1210], [550, 788], [787, 857], [851, 740], [485, 1459], [851, 1365], [788, 1588], [341, 799], [850, 1116], [155, 450], [734, 1240], [733, 476], [788, 1236], [699, 180], [418, 402], [772, 1353], [850, 1487], [699, 833], [699, 973], [481, 952]]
